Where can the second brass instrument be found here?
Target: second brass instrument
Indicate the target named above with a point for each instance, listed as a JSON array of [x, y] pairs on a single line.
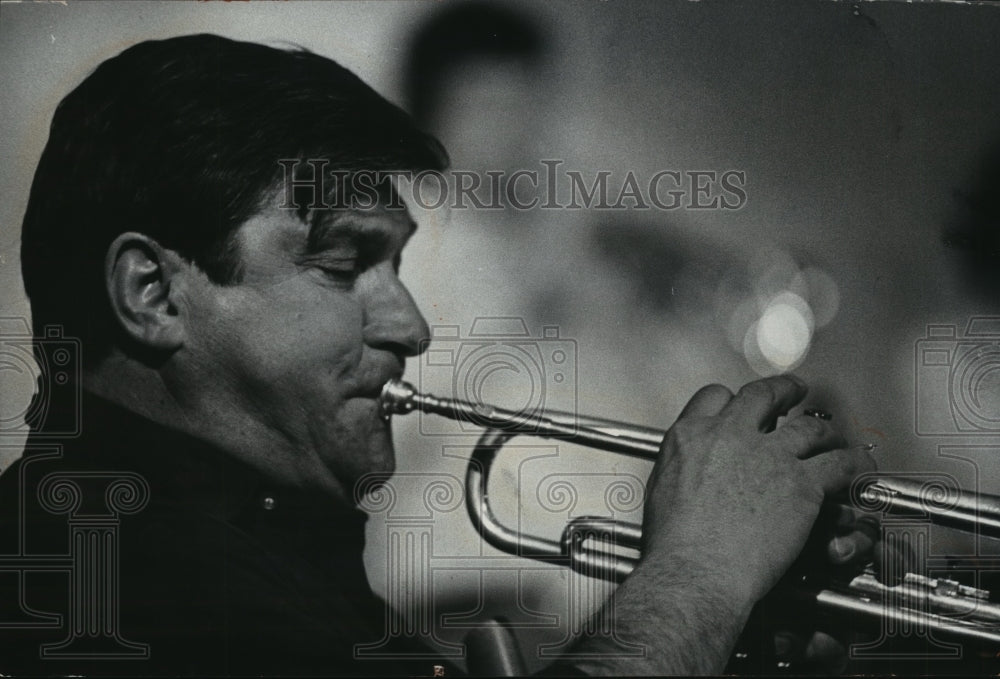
[[591, 545]]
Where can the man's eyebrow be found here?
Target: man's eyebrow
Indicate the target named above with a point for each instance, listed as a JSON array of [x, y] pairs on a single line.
[[324, 230], [324, 226]]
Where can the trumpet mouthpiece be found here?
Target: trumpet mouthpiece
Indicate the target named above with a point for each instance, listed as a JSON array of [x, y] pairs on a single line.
[[396, 398]]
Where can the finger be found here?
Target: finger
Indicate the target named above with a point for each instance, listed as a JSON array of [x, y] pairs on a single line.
[[788, 646], [842, 519], [763, 401], [820, 652], [894, 558], [835, 469], [847, 519], [867, 524], [826, 654], [707, 402], [853, 547], [811, 435]]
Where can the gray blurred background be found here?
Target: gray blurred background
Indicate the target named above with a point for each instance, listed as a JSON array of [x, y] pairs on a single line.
[[869, 136]]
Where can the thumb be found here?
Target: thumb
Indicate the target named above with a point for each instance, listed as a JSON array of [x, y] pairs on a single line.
[[707, 402]]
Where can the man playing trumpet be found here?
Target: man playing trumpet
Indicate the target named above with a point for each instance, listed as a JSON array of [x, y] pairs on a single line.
[[236, 337]]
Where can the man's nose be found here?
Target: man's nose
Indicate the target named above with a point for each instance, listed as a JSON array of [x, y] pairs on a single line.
[[392, 320]]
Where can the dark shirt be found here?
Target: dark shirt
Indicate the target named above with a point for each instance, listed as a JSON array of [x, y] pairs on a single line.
[[220, 572]]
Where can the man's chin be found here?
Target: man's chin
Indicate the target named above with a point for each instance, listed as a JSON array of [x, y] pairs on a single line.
[[377, 464], [363, 453], [381, 450], [371, 482], [383, 460]]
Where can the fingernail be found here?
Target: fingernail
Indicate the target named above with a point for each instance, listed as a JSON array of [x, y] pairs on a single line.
[[842, 548]]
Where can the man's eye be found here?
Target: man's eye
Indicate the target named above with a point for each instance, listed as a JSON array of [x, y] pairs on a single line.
[[341, 270]]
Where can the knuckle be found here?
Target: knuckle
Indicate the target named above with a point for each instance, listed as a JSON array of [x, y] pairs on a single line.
[[847, 465], [850, 461], [818, 428], [715, 391], [804, 431], [684, 431], [851, 464], [828, 466], [814, 427], [760, 390]]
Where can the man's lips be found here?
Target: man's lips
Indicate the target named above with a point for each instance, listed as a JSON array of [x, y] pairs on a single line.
[[374, 391], [368, 407]]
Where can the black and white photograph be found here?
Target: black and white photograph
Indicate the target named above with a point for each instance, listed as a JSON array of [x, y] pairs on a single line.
[[499, 338]]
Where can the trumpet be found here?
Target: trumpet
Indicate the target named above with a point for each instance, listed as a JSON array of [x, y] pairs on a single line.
[[938, 607]]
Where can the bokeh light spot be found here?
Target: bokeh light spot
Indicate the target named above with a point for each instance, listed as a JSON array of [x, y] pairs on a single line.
[[784, 331]]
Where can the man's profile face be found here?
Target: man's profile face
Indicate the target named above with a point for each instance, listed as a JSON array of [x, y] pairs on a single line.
[[304, 342]]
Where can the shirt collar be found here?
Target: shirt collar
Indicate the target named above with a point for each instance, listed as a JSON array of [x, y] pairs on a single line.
[[189, 473]]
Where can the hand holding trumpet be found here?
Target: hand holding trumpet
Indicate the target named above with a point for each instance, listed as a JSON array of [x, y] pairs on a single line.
[[738, 493], [729, 505]]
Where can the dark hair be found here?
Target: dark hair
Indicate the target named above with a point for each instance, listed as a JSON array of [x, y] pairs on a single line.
[[180, 139]]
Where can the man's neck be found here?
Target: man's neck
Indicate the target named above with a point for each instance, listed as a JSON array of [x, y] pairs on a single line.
[[206, 414], [141, 390]]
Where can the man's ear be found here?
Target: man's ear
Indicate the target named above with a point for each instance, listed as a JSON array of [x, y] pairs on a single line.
[[139, 274]]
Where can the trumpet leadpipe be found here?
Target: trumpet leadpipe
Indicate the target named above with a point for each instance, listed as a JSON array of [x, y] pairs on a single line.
[[399, 397]]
